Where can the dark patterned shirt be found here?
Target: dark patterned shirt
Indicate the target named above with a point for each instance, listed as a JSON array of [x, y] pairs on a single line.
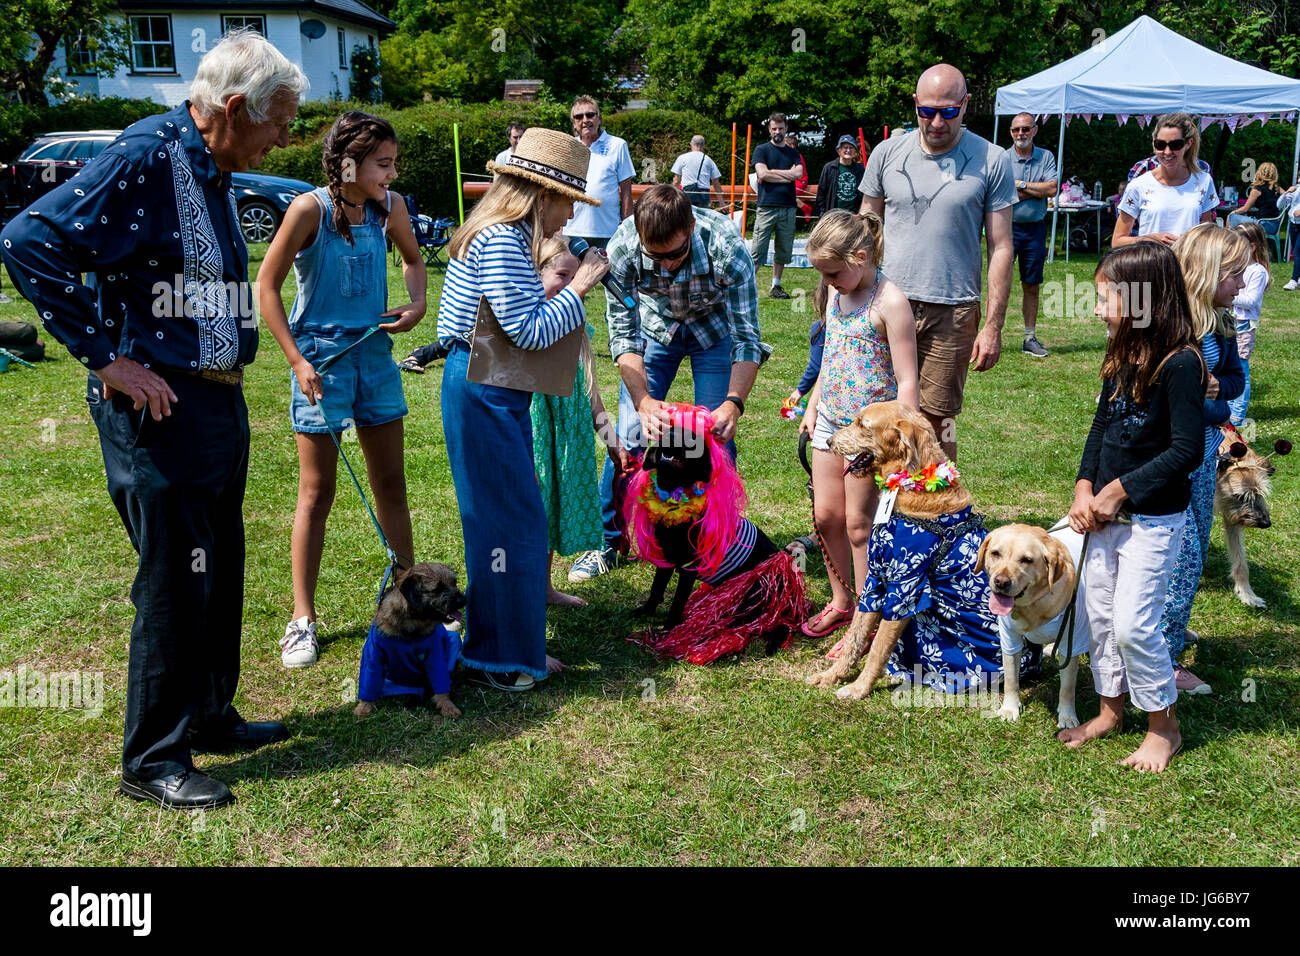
[[152, 225]]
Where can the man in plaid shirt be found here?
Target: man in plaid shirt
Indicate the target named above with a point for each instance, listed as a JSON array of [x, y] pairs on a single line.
[[692, 277]]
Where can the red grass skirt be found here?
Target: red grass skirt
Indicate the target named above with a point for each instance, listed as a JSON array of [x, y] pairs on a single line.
[[768, 600]]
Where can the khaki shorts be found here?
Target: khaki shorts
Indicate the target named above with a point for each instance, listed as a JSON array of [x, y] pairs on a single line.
[[773, 222], [945, 335]]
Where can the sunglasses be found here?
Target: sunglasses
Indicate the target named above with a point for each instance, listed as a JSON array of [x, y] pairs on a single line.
[[947, 112], [1017, 129], [589, 115], [1174, 144], [677, 253]]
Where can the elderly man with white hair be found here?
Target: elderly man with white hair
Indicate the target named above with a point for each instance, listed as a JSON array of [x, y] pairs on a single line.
[[165, 324]]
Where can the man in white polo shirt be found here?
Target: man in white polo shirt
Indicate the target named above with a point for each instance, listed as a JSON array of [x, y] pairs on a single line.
[[696, 174], [609, 177], [514, 131]]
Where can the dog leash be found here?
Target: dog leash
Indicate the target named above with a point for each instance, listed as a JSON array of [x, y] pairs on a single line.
[[392, 556], [826, 555], [1067, 620]]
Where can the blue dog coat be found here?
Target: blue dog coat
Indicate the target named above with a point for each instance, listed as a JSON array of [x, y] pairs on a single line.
[[391, 665]]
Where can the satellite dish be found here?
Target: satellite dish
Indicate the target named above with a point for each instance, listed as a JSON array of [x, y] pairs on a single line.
[[312, 29]]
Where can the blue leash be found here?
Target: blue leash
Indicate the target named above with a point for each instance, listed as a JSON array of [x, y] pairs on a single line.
[[320, 405]]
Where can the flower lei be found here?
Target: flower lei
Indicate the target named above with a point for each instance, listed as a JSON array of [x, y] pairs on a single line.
[[932, 477], [675, 507]]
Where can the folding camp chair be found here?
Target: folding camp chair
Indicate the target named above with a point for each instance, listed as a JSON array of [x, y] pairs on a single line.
[[431, 235]]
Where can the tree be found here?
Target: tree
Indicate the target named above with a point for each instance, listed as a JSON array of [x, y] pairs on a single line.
[[469, 48], [841, 60], [32, 30]]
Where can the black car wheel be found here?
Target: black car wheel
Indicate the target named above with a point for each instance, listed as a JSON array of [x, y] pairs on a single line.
[[257, 220]]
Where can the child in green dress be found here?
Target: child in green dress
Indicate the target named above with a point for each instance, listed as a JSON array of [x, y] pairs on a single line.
[[562, 447]]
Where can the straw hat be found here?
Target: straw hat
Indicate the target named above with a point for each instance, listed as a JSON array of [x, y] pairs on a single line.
[[553, 159]]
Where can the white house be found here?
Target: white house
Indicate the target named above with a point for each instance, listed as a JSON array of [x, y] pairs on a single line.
[[168, 37]]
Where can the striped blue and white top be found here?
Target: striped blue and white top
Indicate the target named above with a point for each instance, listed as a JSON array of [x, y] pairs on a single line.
[[499, 265]]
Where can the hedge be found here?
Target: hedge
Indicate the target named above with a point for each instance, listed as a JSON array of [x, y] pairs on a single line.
[[426, 162]]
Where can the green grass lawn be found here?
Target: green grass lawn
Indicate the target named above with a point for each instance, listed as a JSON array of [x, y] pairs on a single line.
[[623, 759]]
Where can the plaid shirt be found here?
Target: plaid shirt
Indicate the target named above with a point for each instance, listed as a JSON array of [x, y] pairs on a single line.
[[732, 273]]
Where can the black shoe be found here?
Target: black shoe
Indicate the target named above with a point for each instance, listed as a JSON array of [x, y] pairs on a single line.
[[776, 292], [245, 735], [187, 790], [411, 364]]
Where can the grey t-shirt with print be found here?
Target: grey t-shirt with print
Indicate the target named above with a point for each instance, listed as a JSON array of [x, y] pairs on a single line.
[[934, 212]]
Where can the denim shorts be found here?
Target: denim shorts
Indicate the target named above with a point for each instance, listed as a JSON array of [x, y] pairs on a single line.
[[363, 388]]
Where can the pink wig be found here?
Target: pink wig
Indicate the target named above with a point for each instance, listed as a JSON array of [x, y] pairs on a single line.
[[724, 498]]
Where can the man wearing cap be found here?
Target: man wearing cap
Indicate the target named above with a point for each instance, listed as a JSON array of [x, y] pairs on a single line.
[[165, 325], [1035, 172], [696, 173], [609, 177], [837, 187], [692, 278]]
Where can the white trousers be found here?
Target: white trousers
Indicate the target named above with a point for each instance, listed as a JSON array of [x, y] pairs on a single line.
[[1128, 567]]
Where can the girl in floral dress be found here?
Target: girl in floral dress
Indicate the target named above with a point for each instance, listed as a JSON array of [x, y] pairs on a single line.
[[870, 356]]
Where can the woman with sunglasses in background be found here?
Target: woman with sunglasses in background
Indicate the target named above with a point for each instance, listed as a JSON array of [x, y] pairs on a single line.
[[1173, 197]]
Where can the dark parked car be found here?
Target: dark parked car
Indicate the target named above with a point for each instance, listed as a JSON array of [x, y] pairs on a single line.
[[56, 157]]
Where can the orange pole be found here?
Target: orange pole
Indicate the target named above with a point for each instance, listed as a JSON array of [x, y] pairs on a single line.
[[732, 193], [744, 204]]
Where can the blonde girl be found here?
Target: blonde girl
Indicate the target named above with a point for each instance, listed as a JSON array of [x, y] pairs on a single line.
[[870, 356], [562, 454], [1246, 307], [1213, 260]]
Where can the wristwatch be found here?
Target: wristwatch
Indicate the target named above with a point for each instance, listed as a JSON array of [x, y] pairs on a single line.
[[1022, 185], [736, 400]]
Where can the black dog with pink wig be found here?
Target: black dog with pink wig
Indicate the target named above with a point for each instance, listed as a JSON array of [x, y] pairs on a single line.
[[685, 511]]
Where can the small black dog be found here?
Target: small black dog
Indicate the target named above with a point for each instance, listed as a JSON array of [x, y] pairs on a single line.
[[685, 510], [675, 468], [409, 650]]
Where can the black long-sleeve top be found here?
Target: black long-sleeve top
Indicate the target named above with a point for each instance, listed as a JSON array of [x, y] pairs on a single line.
[[1153, 446]]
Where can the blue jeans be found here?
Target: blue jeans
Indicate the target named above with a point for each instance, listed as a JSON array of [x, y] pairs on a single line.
[[711, 374], [490, 450]]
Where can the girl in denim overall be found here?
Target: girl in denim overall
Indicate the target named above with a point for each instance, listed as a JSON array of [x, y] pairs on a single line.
[[334, 239]]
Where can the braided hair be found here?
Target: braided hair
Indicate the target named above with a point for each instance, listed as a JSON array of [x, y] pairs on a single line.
[[353, 137]]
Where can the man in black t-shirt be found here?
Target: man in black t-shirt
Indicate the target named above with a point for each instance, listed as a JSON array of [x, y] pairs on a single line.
[[837, 187], [778, 168]]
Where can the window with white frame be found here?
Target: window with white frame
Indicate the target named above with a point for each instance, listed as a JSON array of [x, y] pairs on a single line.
[[343, 49], [240, 20], [151, 44], [77, 54]]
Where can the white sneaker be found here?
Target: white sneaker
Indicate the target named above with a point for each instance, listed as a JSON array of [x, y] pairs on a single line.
[[298, 647], [1291, 286]]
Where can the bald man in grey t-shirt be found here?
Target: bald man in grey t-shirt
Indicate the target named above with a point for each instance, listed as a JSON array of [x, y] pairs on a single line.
[[939, 190]]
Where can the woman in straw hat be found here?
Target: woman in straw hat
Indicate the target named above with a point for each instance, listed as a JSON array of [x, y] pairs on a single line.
[[488, 430]]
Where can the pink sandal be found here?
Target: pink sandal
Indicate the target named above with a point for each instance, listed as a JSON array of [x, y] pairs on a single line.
[[820, 627]]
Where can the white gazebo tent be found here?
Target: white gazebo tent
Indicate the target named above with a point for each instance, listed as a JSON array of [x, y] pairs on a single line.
[[1147, 69]]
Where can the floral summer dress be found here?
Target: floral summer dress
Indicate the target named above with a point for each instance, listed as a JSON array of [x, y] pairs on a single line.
[[856, 369]]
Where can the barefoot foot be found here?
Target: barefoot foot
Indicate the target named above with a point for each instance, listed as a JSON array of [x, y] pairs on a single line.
[[561, 599], [1099, 726], [1157, 749]]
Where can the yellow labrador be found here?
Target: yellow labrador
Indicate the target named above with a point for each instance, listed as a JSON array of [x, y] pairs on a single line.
[[1031, 585]]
